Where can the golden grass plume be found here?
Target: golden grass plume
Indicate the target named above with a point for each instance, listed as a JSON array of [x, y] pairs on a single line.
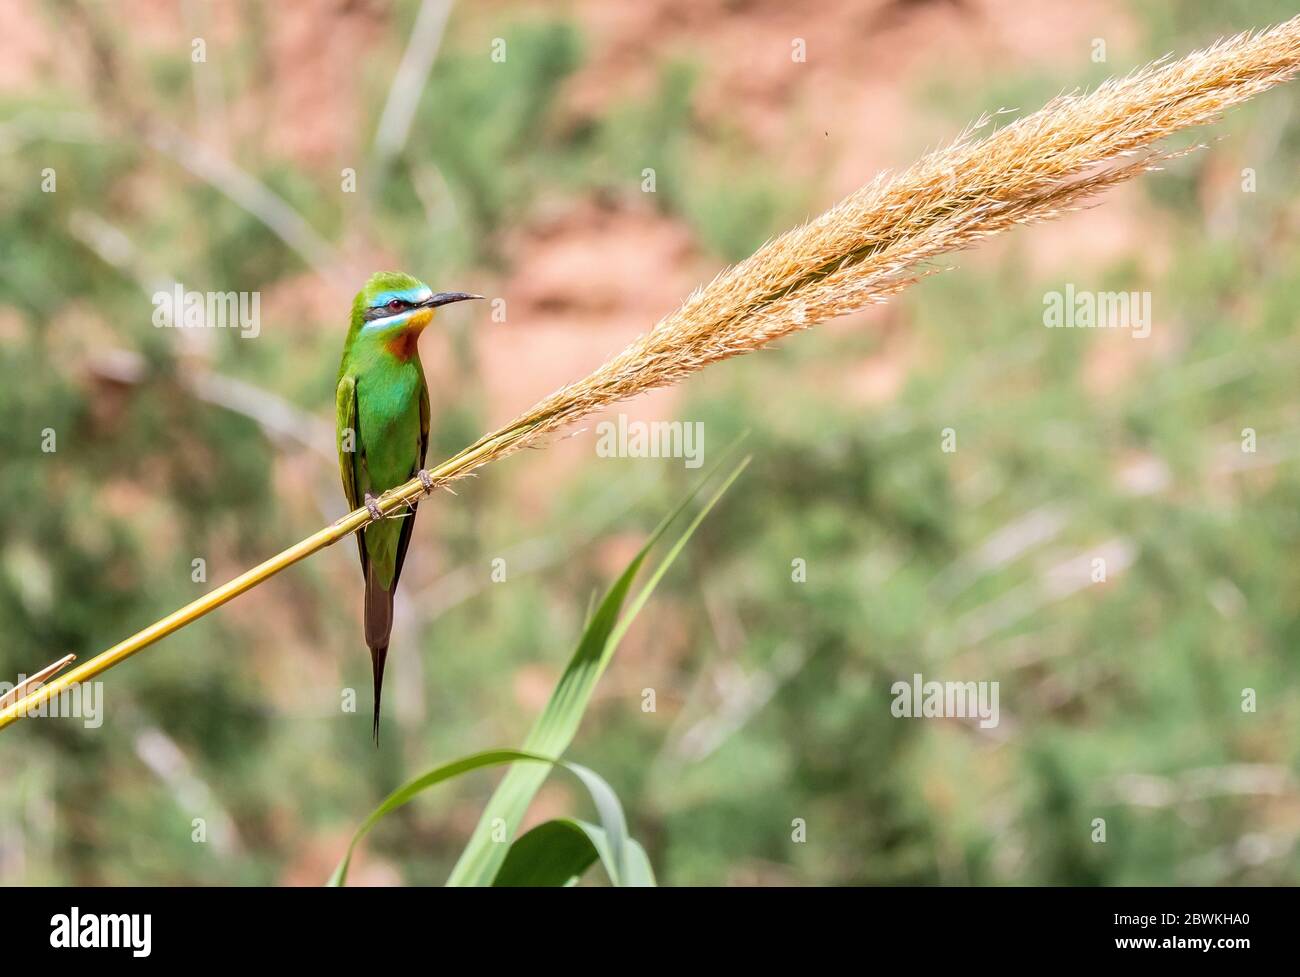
[[877, 241]]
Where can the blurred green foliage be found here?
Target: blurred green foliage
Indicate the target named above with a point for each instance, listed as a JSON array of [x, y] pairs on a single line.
[[1121, 701]]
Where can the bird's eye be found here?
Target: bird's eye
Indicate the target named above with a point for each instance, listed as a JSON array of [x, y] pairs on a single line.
[[395, 304]]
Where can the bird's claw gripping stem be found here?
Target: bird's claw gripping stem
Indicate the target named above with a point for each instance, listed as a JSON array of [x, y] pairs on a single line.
[[373, 508], [425, 479]]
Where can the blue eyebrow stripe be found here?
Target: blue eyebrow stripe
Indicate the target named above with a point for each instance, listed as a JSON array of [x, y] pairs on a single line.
[[406, 295]]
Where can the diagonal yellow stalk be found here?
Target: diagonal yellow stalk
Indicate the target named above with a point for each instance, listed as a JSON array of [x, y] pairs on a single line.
[[860, 252], [389, 503]]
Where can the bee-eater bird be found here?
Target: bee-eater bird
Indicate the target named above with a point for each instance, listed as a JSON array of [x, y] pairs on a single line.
[[382, 419]]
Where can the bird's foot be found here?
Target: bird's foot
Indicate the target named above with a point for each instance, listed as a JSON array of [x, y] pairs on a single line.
[[373, 508], [425, 479]]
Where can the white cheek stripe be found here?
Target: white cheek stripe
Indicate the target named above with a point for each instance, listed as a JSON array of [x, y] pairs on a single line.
[[375, 325]]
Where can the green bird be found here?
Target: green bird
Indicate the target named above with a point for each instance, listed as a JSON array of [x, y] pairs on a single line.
[[382, 419]]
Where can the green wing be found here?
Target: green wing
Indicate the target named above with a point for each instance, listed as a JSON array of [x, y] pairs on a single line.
[[345, 414], [408, 522], [424, 424], [345, 397]]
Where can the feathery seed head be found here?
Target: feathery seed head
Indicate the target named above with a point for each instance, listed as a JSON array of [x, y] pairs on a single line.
[[879, 240]]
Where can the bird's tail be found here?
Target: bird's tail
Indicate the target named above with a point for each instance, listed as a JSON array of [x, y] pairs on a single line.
[[379, 625]]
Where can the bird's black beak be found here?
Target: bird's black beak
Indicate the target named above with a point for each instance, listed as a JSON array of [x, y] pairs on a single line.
[[446, 298]]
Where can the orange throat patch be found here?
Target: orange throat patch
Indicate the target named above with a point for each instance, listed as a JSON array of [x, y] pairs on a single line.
[[403, 344]]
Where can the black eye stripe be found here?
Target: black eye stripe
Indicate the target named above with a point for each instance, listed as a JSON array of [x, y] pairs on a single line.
[[387, 309]]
